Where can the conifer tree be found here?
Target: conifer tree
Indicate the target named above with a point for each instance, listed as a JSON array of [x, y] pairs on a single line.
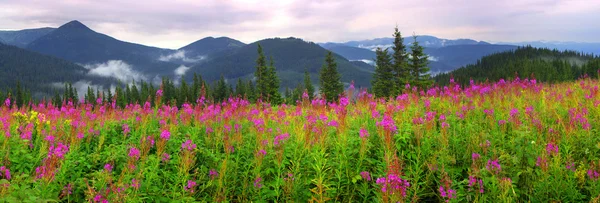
[[400, 65], [240, 89], [135, 94], [310, 89], [251, 91], [330, 79], [418, 66], [383, 83], [260, 74], [272, 81]]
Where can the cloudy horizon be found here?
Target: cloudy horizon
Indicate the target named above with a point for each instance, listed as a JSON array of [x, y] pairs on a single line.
[[174, 24]]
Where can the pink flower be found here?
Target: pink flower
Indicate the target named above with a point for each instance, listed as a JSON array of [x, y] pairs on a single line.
[[126, 129], [188, 145], [261, 153], [552, 149], [213, 174], [475, 156], [493, 166], [7, 102], [108, 168], [280, 138], [447, 193], [135, 184], [365, 175], [165, 135], [363, 133], [393, 183], [4, 169], [165, 157], [134, 153], [190, 186], [159, 93], [258, 182]]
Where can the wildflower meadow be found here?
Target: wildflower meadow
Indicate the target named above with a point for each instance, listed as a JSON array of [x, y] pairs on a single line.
[[509, 141]]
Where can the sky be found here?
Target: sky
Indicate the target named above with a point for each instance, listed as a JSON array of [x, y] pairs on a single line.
[[176, 23]]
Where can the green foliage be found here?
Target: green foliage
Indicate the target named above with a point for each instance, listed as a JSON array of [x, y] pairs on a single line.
[[544, 65], [418, 62], [310, 89], [330, 80], [400, 65], [384, 81]]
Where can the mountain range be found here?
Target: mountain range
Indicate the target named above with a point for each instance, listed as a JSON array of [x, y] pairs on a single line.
[[99, 59]]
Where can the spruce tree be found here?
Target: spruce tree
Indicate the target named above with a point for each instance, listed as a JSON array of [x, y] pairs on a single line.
[[261, 69], [418, 66], [330, 79], [135, 95], [310, 89], [251, 91], [240, 89], [272, 81], [383, 83], [400, 66]]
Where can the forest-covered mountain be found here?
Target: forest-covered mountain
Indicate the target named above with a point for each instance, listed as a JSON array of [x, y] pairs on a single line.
[[291, 57], [543, 64], [77, 43], [211, 45], [444, 54], [583, 47], [37, 72], [22, 38]]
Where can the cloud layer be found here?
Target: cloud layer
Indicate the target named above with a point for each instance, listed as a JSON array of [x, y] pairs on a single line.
[[115, 69], [173, 24], [180, 56]]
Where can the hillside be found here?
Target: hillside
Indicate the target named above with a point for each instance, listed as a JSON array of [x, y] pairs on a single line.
[[462, 55], [291, 57], [77, 43], [35, 71], [22, 38], [444, 55], [544, 64], [211, 45]]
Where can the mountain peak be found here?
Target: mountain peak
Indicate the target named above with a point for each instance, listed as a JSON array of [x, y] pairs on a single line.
[[74, 25]]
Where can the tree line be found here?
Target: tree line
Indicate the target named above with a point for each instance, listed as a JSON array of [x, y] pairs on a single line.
[[543, 64], [395, 72]]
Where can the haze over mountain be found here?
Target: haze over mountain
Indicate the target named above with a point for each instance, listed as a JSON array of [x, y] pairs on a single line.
[[77, 43], [106, 59], [444, 54], [291, 57], [211, 45], [585, 47], [21, 38], [41, 73]]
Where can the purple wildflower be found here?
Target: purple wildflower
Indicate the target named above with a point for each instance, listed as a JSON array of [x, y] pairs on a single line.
[[363, 133], [165, 135], [134, 153], [493, 166], [475, 156], [165, 157], [258, 182], [213, 174], [108, 168], [261, 153], [135, 184], [365, 175], [552, 148], [188, 145], [190, 186], [4, 169]]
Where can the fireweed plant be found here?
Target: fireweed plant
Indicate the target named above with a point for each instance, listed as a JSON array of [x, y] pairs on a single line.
[[509, 141]]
